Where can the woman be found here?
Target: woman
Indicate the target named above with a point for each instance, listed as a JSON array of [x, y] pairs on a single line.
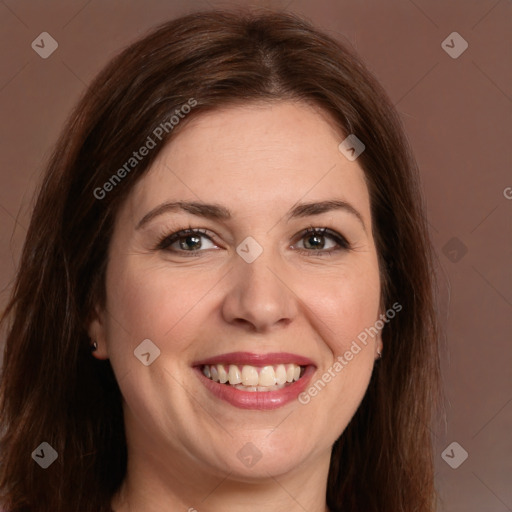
[[225, 295]]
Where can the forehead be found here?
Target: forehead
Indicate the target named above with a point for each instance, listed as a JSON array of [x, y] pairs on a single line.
[[265, 155]]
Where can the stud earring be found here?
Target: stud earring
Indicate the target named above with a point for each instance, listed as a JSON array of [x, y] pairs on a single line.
[[94, 346], [379, 353]]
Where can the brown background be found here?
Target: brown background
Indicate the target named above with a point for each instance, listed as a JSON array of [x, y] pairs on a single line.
[[458, 116]]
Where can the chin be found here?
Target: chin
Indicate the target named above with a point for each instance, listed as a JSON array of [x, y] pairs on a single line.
[[270, 453]]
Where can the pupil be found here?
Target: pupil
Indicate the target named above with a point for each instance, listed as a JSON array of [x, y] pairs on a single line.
[[318, 242], [196, 243]]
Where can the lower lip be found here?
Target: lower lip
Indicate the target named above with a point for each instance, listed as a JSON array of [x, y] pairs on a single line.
[[259, 400]]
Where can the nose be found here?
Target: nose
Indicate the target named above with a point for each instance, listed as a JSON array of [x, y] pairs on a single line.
[[260, 298]]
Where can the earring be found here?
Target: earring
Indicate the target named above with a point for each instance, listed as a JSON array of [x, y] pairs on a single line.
[[94, 346], [379, 353]]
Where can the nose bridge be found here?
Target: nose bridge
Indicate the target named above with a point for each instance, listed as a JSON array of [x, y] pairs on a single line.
[[258, 294]]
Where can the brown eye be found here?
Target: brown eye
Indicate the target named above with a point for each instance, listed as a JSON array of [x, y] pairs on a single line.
[[186, 241], [191, 242], [322, 240]]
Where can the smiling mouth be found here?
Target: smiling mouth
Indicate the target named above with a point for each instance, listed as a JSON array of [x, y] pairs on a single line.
[[254, 378]]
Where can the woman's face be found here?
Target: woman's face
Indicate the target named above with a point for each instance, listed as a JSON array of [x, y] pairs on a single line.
[[251, 297]]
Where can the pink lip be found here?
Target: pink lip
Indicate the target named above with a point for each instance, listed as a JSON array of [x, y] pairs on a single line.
[[259, 400], [250, 358]]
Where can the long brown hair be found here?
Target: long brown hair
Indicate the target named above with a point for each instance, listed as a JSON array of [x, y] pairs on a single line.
[[53, 391]]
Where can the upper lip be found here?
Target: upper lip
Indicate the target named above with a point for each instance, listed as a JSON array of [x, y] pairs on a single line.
[[250, 358]]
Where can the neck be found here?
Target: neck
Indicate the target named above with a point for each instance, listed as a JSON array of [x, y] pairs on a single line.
[[154, 483]]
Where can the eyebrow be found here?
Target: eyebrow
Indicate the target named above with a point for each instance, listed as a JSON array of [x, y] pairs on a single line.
[[218, 212]]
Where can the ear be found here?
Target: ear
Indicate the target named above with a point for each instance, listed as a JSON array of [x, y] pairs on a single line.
[[96, 328], [378, 347], [378, 339]]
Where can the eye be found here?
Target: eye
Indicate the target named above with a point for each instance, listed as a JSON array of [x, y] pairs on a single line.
[[191, 242], [322, 241], [186, 241]]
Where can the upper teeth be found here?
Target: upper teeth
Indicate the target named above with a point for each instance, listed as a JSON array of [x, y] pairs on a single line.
[[252, 375]]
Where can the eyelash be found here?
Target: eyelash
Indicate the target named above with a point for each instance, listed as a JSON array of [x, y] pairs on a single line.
[[341, 241]]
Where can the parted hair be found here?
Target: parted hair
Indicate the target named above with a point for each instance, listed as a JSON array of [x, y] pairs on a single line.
[[52, 390]]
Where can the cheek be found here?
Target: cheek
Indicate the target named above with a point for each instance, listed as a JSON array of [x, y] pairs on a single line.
[[347, 305], [151, 302], [344, 305]]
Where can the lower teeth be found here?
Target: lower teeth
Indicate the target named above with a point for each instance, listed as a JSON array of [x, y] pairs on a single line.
[[241, 387]]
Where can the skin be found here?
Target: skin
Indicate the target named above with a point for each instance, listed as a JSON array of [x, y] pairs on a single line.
[[258, 161]]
